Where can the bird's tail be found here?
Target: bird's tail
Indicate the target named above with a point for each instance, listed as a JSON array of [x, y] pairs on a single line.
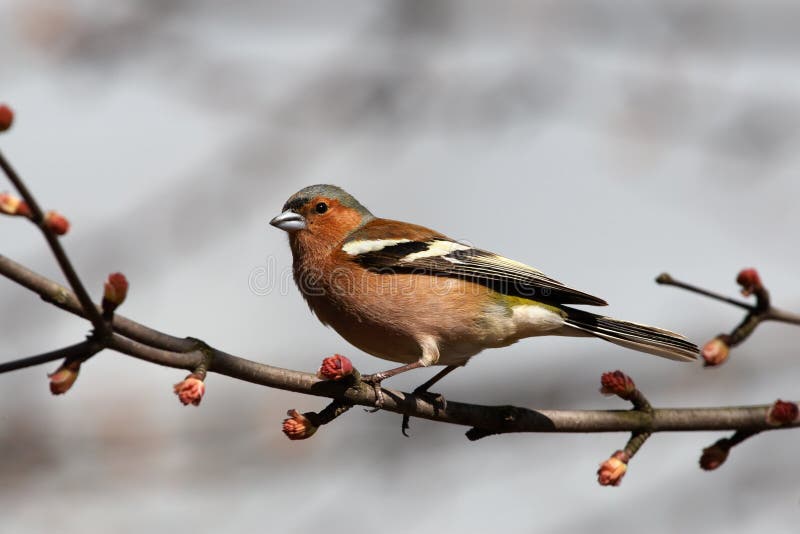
[[634, 336]]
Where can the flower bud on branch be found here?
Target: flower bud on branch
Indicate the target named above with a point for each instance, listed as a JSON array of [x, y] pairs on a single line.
[[335, 367], [715, 455], [62, 379], [190, 390], [56, 222], [6, 117], [13, 205], [750, 281], [617, 383], [612, 470], [782, 413], [716, 351], [298, 426], [114, 292]]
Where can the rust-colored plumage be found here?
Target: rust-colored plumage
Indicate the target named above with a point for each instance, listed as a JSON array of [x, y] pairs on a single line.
[[408, 294]]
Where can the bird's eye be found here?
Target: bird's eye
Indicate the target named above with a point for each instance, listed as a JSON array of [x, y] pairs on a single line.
[[321, 208]]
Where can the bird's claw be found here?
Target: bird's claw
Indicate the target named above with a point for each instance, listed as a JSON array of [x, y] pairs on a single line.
[[375, 380], [436, 400], [405, 426]]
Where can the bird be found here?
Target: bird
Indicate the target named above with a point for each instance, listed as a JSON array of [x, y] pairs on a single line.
[[411, 295]]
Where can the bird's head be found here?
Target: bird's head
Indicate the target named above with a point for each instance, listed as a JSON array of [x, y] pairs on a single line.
[[321, 214]]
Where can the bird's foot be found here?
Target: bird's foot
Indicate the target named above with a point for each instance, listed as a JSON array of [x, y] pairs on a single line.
[[436, 400], [375, 380]]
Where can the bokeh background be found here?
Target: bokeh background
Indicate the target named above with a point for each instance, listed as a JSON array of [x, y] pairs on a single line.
[[601, 141]]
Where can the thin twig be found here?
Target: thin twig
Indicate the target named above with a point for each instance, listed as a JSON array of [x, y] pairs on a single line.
[[80, 350], [58, 295], [37, 215], [717, 350], [329, 413], [667, 280], [763, 309], [635, 442], [715, 454], [783, 316]]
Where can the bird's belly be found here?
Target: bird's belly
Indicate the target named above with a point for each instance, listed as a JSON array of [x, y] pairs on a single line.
[[379, 341], [377, 337], [387, 316]]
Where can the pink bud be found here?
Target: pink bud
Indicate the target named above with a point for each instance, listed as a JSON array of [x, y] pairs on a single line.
[[335, 367], [13, 205], [612, 470], [617, 383], [114, 291], [56, 222], [782, 413], [191, 390], [716, 351], [6, 117], [63, 377], [298, 426]]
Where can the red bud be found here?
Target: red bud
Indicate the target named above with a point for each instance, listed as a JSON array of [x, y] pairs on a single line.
[[335, 367], [617, 383], [6, 117], [714, 456], [56, 222], [782, 413], [114, 292], [749, 280]]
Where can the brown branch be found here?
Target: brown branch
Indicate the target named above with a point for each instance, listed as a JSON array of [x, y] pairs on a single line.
[[667, 280], [147, 344], [782, 316], [38, 218], [618, 383], [762, 309], [58, 295], [80, 350], [716, 351]]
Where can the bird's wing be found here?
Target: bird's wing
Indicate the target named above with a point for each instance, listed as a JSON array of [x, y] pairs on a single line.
[[400, 247]]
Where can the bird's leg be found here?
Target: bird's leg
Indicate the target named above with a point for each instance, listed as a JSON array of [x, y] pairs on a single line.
[[438, 376], [423, 389], [375, 380]]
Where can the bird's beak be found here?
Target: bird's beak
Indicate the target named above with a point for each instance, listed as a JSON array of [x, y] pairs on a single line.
[[289, 221]]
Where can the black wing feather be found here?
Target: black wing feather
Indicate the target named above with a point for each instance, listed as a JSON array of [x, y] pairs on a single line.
[[486, 268]]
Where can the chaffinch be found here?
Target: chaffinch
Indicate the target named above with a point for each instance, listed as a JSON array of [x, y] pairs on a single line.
[[411, 295]]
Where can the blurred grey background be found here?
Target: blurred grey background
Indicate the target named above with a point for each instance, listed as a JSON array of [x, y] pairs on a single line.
[[601, 141]]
